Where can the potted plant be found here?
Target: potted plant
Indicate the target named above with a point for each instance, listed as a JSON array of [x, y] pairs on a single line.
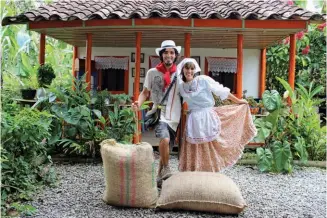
[[253, 105], [29, 86]]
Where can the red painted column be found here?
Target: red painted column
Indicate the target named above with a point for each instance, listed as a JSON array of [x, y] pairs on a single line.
[[88, 60], [239, 80], [42, 49], [262, 84], [291, 69], [136, 91]]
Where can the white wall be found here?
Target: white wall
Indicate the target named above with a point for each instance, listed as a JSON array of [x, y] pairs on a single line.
[[251, 62]]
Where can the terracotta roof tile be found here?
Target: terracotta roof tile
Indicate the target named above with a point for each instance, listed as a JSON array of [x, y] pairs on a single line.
[[127, 9]]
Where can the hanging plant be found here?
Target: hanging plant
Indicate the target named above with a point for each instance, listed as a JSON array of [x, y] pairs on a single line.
[[45, 75]]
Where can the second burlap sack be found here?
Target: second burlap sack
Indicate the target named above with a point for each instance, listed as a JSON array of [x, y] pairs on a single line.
[[201, 191]]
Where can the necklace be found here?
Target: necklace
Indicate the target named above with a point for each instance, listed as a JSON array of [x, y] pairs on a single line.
[[191, 86]]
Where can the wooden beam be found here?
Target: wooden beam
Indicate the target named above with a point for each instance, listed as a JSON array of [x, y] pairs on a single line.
[[275, 24], [137, 136], [42, 49], [217, 23], [54, 24], [291, 69], [262, 84], [163, 22], [108, 22], [88, 68], [239, 79]]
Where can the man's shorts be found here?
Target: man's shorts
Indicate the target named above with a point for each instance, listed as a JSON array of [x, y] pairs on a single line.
[[163, 130]]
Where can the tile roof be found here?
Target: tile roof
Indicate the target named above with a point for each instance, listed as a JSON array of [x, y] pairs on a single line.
[[67, 10]]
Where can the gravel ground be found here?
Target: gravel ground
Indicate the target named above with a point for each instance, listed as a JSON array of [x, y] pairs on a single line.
[[80, 188]]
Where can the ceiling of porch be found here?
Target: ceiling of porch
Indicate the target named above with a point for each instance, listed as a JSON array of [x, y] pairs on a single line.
[[152, 37]]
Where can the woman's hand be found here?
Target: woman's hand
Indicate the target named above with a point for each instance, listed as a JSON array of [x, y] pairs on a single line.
[[241, 101], [135, 106]]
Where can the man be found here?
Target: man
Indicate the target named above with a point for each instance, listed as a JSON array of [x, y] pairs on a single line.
[[156, 82]]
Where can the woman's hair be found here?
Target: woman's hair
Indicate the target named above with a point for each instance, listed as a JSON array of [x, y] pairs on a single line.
[[187, 65], [163, 50]]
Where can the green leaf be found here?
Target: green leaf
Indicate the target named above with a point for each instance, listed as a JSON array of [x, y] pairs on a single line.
[[282, 155], [264, 158], [301, 149], [271, 100]]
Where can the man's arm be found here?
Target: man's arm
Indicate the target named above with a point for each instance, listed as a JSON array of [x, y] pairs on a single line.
[[142, 97]]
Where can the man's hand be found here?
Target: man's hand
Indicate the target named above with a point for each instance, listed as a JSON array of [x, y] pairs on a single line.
[[135, 106]]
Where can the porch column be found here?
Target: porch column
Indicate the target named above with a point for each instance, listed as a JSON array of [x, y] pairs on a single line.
[[75, 51], [42, 49], [291, 69], [88, 60], [262, 84], [187, 54], [137, 82], [239, 80]]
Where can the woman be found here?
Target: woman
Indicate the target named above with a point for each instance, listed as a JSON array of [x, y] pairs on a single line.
[[214, 137]]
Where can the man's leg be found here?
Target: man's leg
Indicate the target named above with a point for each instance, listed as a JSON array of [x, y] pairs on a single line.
[[162, 132]]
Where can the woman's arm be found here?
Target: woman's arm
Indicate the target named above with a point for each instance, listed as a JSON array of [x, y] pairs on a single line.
[[236, 100]]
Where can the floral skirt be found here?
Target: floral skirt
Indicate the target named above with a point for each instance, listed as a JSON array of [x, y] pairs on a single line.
[[237, 129]]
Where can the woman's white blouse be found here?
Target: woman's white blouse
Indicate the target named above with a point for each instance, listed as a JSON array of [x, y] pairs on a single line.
[[203, 124], [198, 92]]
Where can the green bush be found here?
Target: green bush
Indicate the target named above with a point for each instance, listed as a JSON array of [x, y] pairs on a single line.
[[25, 162]]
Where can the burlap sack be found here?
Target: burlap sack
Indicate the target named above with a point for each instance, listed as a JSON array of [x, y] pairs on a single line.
[[201, 191], [130, 174]]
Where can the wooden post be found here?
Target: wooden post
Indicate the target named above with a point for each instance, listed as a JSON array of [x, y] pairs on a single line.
[[88, 60], [239, 80], [75, 51], [187, 54], [262, 84], [75, 55], [136, 90], [291, 69], [42, 49]]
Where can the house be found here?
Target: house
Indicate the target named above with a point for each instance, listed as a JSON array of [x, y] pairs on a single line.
[[228, 37]]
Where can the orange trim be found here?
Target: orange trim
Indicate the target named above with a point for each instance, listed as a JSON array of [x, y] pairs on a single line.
[[239, 87], [275, 24], [163, 22], [217, 23], [226, 23], [291, 69], [108, 22], [88, 68], [55, 24], [42, 49], [262, 84]]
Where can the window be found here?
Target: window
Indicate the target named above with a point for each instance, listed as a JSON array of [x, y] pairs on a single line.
[[113, 79], [226, 79]]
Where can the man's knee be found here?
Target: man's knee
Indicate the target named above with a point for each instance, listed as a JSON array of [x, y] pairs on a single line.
[[164, 142]]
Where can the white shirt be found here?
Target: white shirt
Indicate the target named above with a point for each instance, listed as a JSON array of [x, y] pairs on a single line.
[[171, 113], [198, 92]]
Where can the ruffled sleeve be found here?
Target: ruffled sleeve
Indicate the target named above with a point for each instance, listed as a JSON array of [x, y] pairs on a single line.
[[217, 88]]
